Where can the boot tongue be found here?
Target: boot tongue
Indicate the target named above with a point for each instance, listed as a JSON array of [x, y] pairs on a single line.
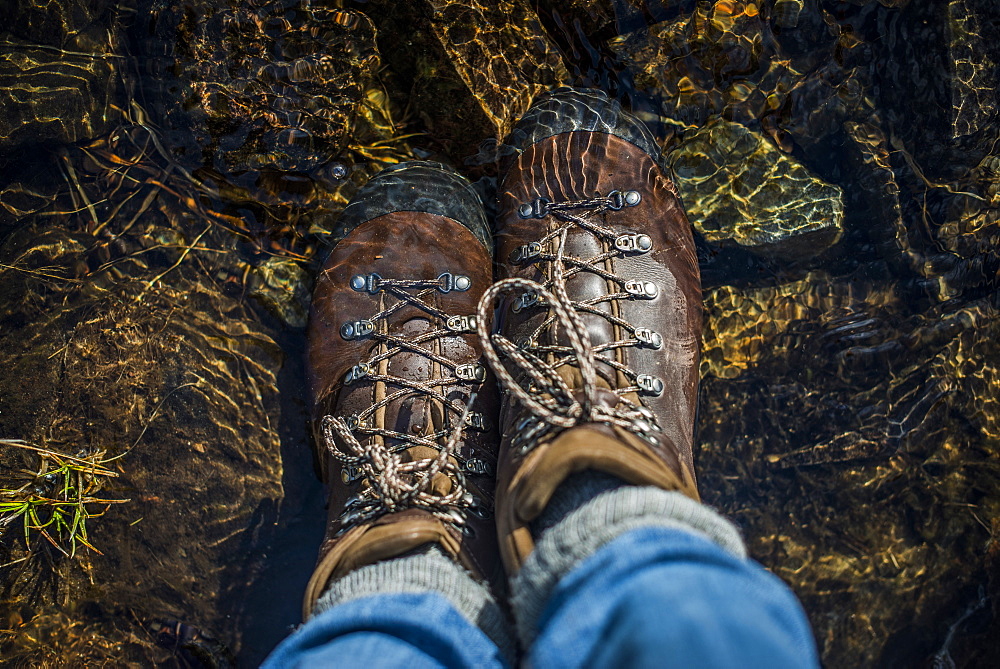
[[441, 484], [411, 414], [418, 415], [605, 396]]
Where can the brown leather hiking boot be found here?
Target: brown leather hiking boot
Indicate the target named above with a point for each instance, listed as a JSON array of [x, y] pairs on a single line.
[[402, 404], [600, 321]]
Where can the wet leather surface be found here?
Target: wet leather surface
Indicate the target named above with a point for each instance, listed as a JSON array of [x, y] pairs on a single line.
[[403, 245], [580, 165]]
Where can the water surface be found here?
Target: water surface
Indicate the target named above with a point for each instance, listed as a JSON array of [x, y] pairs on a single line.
[[168, 174]]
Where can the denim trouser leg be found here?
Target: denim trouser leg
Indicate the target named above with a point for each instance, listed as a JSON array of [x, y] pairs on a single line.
[[653, 597], [409, 631], [663, 597]]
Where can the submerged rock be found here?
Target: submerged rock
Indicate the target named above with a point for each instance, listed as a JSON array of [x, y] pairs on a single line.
[[974, 99], [727, 59], [939, 83], [501, 52], [744, 327], [698, 62], [59, 73], [466, 70], [282, 286], [264, 84], [736, 186], [946, 233]]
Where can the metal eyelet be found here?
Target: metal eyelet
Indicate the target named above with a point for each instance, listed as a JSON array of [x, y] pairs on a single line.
[[351, 514], [481, 512], [477, 421], [526, 299], [650, 385], [524, 343], [350, 473], [537, 209], [461, 324], [642, 426], [471, 372], [478, 467], [525, 434], [634, 243], [649, 338], [348, 518], [526, 252], [478, 509], [646, 290], [448, 282], [646, 429], [356, 329], [366, 283], [352, 422], [456, 517], [620, 199], [357, 372]]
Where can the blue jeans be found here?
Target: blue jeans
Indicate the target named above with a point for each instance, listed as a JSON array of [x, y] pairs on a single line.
[[653, 597]]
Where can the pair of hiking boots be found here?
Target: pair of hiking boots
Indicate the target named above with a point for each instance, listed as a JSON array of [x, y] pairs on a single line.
[[590, 335]]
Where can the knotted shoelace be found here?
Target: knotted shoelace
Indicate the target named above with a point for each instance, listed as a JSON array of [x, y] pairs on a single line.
[[552, 405], [394, 484]]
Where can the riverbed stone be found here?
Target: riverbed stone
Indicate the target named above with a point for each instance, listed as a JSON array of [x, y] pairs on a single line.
[[738, 187]]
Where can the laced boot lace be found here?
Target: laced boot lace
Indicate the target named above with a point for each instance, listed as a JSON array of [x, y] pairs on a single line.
[[551, 404], [392, 483]]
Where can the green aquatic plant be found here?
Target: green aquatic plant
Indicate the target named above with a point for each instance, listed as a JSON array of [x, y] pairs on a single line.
[[57, 499]]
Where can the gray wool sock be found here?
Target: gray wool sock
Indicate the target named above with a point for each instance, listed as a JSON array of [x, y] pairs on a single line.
[[589, 510], [426, 570]]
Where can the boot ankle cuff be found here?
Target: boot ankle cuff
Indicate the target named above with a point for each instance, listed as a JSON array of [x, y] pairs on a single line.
[[428, 570], [584, 529]]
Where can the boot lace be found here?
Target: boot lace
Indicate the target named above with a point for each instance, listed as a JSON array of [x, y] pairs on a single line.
[[551, 404], [392, 483]]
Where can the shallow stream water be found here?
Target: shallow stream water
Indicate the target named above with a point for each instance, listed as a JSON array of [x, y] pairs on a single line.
[[169, 173]]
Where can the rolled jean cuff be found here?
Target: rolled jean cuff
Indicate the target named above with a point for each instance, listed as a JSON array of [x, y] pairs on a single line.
[[661, 597], [412, 630], [426, 571], [607, 516]]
